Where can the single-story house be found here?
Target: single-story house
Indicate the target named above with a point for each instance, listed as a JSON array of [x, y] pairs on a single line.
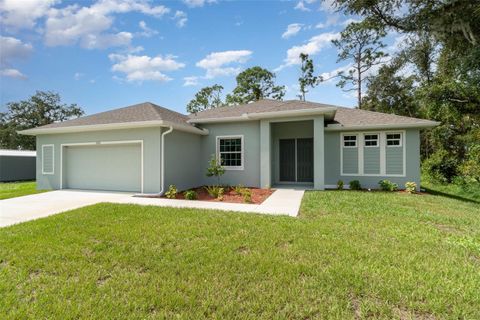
[[145, 148], [17, 165]]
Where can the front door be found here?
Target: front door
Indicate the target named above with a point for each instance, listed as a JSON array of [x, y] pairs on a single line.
[[296, 160]]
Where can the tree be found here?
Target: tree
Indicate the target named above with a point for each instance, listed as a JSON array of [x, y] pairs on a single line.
[[43, 108], [215, 169], [361, 43], [306, 79], [206, 98], [254, 84]]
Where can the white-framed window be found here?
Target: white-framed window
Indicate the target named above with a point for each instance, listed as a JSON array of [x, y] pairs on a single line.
[[349, 141], [48, 160], [371, 140], [230, 152], [394, 139]]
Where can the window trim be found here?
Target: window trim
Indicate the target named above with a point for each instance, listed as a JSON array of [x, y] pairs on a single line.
[[394, 146], [242, 151], [350, 135], [376, 140], [43, 159]]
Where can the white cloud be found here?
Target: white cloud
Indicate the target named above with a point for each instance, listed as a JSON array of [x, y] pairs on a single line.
[[332, 20], [219, 63], [301, 6], [12, 73], [78, 75], [292, 29], [143, 68], [330, 76], [197, 3], [191, 81], [12, 48], [181, 18], [146, 31], [312, 47], [90, 26], [327, 5], [23, 14]]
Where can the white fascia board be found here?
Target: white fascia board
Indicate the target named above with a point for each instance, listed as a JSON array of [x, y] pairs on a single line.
[[337, 127], [112, 126], [269, 115], [17, 153]]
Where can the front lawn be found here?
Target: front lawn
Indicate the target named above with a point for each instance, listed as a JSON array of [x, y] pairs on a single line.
[[18, 189], [349, 255]]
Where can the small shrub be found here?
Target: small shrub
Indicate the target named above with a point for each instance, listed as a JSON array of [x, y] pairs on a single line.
[[190, 195], [411, 187], [355, 185], [387, 185], [215, 191], [239, 189], [441, 166], [215, 168], [340, 184], [172, 192], [247, 195]]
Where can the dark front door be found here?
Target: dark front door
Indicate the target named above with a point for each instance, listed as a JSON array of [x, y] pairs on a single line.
[[305, 160], [287, 160], [296, 160]]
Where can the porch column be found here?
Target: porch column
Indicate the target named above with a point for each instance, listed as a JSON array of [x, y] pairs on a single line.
[[318, 153], [265, 161]]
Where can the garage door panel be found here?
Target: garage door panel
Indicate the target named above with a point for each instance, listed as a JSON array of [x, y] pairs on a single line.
[[104, 167]]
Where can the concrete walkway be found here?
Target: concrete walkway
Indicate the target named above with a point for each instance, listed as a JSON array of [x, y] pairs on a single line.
[[21, 209]]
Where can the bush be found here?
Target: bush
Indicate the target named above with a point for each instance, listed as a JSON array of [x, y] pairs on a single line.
[[387, 185], [239, 189], [340, 185], [172, 192], [247, 195], [355, 185], [190, 195], [215, 191], [215, 168], [441, 166], [411, 187]]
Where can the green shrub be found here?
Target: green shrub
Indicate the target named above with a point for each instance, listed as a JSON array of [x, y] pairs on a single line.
[[172, 192], [411, 187], [247, 195], [215, 168], [355, 185], [215, 191], [340, 184], [387, 185], [239, 189], [190, 195], [441, 166]]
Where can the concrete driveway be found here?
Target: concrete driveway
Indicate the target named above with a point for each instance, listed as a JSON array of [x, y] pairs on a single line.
[[16, 210]]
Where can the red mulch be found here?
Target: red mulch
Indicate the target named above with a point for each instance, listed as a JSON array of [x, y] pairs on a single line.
[[258, 195]]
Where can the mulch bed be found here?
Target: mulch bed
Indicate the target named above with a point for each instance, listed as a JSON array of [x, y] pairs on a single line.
[[258, 195]]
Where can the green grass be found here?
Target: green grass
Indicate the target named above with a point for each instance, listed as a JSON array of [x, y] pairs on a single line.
[[17, 189], [349, 255], [469, 192]]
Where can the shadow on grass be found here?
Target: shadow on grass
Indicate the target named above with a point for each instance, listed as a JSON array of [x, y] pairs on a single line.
[[449, 195]]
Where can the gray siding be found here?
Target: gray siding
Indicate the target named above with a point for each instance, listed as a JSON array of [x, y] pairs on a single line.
[[183, 165], [371, 163], [350, 160], [15, 168], [250, 175], [394, 160]]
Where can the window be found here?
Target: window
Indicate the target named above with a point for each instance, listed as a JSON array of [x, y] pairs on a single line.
[[230, 152], [371, 140], [47, 159], [394, 139], [349, 141]]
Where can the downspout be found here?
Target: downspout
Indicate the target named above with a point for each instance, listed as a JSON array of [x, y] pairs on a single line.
[[162, 168]]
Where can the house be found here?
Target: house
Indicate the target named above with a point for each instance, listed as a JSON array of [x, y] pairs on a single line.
[[17, 165], [144, 148]]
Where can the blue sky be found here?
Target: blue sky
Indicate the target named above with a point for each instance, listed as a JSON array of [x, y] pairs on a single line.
[[112, 53]]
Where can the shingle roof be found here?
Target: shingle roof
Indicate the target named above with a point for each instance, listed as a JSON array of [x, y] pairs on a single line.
[[136, 113], [264, 105]]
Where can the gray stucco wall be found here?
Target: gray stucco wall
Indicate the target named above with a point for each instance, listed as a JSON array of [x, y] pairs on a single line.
[[184, 167], [151, 153], [250, 175], [332, 162], [17, 168]]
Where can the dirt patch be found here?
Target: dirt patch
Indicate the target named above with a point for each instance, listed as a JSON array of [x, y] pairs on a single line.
[[258, 195]]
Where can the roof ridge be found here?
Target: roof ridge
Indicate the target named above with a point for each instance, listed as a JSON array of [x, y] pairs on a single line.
[[158, 109], [385, 113]]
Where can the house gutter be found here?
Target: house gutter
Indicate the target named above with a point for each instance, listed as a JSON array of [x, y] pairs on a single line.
[[339, 127]]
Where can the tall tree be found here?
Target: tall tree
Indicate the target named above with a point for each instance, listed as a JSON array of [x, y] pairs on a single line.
[[254, 84], [43, 108], [206, 98], [361, 44], [307, 79]]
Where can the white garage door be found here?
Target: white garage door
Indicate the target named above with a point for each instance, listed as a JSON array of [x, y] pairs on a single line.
[[114, 167]]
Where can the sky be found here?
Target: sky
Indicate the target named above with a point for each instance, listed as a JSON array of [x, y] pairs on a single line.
[[109, 54]]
